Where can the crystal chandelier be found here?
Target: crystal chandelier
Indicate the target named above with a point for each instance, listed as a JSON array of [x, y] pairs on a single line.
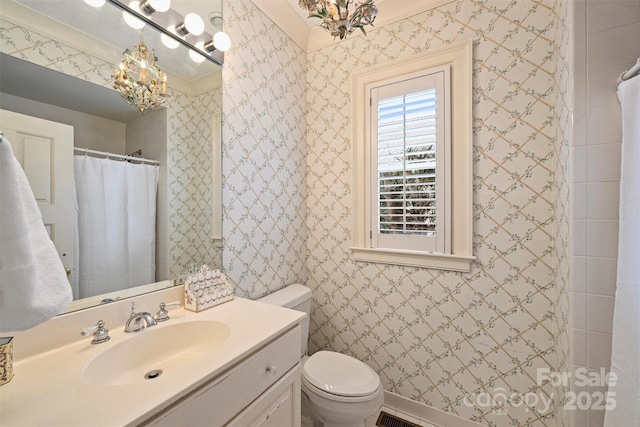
[[139, 80], [336, 17]]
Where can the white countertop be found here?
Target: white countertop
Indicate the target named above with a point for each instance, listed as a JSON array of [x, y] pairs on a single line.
[[49, 388]]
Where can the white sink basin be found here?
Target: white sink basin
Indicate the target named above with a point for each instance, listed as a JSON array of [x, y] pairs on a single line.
[[165, 348]]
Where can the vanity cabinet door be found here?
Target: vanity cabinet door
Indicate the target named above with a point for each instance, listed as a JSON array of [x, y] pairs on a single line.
[[277, 407]]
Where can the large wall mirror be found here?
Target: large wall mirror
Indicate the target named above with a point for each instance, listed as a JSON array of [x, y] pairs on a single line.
[[56, 65]]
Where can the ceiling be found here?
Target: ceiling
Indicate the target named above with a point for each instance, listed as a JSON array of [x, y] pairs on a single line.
[[302, 13]]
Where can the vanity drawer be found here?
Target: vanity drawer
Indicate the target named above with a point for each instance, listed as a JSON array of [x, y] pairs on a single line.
[[217, 402]]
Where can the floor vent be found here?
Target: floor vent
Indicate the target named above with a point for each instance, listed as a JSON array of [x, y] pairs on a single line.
[[387, 420]]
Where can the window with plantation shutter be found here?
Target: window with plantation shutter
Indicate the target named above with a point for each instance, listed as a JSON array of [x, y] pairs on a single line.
[[412, 161], [409, 148]]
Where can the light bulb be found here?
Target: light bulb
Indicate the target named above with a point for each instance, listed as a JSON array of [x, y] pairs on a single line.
[[168, 41], [192, 24], [95, 3], [221, 41], [131, 20], [195, 56]]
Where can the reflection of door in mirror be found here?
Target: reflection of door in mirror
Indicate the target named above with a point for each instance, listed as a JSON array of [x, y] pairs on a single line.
[[44, 149]]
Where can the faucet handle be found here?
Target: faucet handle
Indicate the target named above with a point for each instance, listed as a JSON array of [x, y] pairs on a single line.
[[163, 314], [100, 333]]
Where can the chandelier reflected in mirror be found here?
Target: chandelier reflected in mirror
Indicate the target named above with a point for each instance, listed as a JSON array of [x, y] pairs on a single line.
[[336, 17], [139, 80]]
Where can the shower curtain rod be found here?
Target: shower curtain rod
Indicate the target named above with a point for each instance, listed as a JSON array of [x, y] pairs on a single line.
[[633, 71], [115, 156]]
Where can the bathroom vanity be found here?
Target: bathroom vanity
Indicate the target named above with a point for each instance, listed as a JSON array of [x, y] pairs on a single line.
[[262, 390], [235, 364]]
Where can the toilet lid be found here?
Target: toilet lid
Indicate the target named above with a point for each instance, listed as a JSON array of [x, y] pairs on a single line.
[[340, 374]]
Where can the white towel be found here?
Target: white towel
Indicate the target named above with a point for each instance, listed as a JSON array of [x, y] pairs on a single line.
[[33, 284]]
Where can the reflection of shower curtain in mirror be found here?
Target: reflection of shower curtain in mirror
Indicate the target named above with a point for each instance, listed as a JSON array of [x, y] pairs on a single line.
[[116, 224]]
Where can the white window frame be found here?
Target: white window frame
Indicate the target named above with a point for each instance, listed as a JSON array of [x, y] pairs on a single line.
[[456, 254]]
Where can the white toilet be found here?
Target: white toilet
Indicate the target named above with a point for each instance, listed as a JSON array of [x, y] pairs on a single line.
[[337, 389]]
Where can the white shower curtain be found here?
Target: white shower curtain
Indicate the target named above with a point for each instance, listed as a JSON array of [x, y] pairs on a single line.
[[625, 354], [116, 224]]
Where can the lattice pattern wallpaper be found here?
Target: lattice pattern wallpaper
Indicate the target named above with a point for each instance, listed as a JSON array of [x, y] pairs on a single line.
[[440, 338], [264, 192], [190, 180], [189, 146]]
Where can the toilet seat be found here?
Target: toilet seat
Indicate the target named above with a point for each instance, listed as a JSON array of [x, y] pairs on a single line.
[[340, 375], [315, 393]]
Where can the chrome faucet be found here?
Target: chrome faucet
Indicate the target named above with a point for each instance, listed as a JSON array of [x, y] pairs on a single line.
[[100, 333], [137, 321], [163, 315]]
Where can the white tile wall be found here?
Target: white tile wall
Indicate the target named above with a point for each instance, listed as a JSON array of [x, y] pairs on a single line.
[[605, 40]]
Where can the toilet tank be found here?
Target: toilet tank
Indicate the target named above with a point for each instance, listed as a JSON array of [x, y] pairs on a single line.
[[295, 297]]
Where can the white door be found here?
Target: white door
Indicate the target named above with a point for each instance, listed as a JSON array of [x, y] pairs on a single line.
[[45, 151]]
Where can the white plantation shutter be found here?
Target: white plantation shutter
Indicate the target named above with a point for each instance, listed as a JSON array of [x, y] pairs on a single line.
[[408, 163]]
